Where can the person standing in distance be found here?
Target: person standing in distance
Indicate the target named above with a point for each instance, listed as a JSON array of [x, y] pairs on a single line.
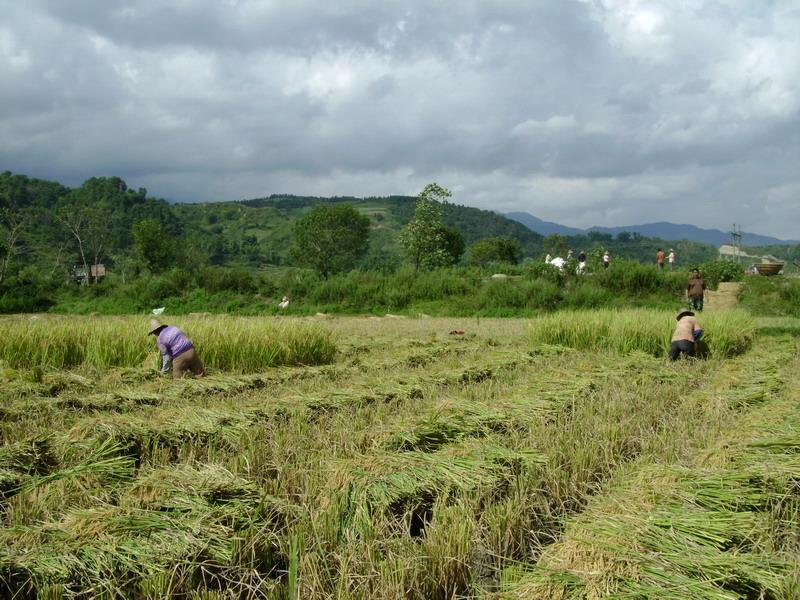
[[581, 262], [660, 259], [671, 259], [606, 259], [177, 351], [695, 290]]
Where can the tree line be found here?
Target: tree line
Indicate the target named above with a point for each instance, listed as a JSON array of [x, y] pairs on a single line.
[[52, 235]]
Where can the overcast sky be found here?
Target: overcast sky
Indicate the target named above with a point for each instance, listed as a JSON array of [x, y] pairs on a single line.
[[584, 112]]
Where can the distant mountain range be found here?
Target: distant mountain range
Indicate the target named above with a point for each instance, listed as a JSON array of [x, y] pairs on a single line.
[[662, 230]]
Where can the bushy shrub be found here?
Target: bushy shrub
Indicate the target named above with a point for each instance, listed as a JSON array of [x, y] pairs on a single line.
[[633, 278], [541, 270], [503, 250], [587, 294], [441, 283], [28, 291], [154, 290], [218, 279], [772, 296], [718, 271]]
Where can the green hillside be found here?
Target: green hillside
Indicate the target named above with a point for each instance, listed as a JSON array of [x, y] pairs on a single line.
[[252, 233], [237, 256], [259, 230]]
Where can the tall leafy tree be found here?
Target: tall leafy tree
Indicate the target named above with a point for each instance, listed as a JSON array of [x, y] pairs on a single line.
[[152, 244], [12, 226], [495, 249], [453, 243], [556, 244], [425, 239], [330, 238]]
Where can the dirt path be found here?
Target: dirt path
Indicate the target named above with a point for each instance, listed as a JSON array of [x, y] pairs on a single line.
[[726, 296]]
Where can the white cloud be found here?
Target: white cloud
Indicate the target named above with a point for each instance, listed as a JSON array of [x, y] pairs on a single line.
[[554, 124], [590, 112]]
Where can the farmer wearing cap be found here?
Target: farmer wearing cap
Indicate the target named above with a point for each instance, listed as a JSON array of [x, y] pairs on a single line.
[[176, 351], [695, 290], [687, 332]]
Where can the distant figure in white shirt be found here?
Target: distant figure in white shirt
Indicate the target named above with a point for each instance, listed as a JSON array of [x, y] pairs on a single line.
[[284, 303], [581, 262], [671, 259], [558, 262]]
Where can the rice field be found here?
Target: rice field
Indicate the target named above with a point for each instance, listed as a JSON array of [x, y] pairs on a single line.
[[239, 344], [560, 457]]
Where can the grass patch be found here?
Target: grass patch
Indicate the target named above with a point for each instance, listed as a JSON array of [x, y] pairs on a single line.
[[223, 343], [726, 333]]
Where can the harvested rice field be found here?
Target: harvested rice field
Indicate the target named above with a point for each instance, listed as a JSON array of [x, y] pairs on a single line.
[[562, 457]]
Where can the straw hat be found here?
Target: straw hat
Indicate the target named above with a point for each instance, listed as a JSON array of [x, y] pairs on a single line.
[[154, 327], [685, 313]]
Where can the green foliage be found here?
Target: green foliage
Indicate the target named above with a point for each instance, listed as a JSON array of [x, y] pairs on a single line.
[[785, 252], [777, 296], [219, 279], [495, 249], [542, 270], [716, 271], [28, 291], [632, 278], [330, 238], [530, 288], [632, 246], [475, 225], [250, 234], [152, 244], [556, 244], [453, 243], [533, 295], [424, 239]]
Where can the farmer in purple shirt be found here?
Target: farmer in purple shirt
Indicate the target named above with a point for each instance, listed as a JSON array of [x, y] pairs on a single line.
[[176, 350]]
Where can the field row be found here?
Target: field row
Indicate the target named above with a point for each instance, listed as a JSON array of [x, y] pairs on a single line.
[[723, 525], [415, 469]]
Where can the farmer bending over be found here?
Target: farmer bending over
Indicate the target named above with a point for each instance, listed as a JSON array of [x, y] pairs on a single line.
[[176, 351], [687, 331]]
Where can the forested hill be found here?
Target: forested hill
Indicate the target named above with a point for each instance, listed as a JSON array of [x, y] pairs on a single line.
[[56, 227], [51, 228], [266, 223]]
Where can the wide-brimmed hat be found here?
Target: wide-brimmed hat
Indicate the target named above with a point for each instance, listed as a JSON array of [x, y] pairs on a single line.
[[685, 313], [154, 327]]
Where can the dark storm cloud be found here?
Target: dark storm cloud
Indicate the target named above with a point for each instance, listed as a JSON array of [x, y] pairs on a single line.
[[586, 112]]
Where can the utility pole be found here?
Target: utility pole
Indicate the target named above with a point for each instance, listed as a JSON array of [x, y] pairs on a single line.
[[736, 239]]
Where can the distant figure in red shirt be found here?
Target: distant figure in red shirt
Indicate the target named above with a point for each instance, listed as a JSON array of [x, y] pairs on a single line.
[[660, 259]]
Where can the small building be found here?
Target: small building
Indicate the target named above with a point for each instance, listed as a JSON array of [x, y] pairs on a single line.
[[729, 251], [96, 272]]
